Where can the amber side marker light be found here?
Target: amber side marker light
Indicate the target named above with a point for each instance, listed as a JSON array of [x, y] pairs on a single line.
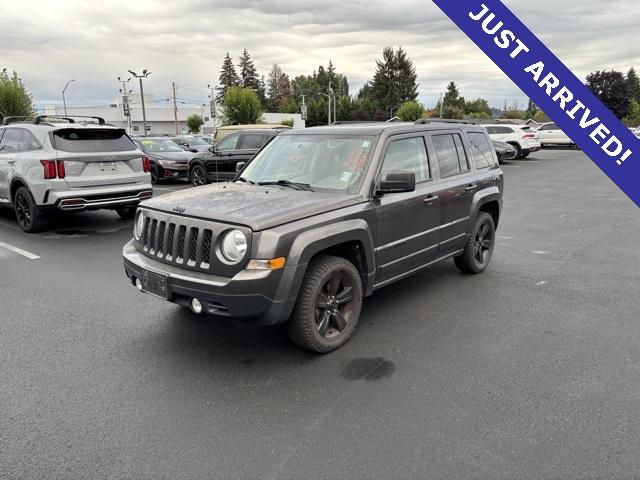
[[273, 264]]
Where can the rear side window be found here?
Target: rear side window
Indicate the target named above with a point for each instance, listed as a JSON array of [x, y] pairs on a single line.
[[92, 140], [450, 154], [251, 141], [551, 126], [480, 150], [19, 140]]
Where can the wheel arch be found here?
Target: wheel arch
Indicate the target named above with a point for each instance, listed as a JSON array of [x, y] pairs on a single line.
[[16, 183], [489, 201]]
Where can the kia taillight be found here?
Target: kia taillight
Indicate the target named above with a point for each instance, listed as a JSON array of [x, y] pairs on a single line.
[[49, 169], [60, 165], [146, 164], [529, 135]]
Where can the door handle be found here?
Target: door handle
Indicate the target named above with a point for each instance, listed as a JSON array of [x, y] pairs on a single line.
[[431, 199], [471, 188]]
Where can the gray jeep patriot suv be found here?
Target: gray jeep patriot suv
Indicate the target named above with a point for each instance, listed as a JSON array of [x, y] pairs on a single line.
[[319, 219]]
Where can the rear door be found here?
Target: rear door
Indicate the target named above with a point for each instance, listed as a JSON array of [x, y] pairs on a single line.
[[458, 186], [407, 230], [95, 157]]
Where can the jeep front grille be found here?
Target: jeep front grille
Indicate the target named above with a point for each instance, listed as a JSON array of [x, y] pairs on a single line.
[[184, 242]]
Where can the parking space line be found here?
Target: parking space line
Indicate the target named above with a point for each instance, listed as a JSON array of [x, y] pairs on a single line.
[[19, 251]]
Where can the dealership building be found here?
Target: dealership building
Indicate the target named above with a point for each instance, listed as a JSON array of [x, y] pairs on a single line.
[[161, 119]]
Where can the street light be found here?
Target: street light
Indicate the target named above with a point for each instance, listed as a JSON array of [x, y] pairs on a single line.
[[64, 101], [145, 74]]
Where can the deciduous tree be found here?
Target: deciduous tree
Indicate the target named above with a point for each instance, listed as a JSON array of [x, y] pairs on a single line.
[[242, 106], [612, 90], [14, 98]]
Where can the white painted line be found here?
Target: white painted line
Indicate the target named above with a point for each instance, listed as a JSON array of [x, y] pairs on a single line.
[[19, 251], [503, 165]]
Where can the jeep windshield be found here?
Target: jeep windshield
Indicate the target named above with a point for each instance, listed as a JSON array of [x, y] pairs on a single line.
[[315, 162]]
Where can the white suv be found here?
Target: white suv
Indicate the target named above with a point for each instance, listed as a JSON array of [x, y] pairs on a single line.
[[525, 142], [550, 134], [57, 164]]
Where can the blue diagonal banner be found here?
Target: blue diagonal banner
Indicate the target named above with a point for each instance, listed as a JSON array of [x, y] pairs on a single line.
[[552, 86]]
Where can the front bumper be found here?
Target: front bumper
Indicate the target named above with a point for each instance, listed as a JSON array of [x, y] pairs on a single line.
[[245, 296]]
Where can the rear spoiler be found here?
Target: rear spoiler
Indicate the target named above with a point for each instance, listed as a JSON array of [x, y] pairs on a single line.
[[47, 118]]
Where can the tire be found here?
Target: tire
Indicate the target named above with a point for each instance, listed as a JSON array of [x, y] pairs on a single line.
[[155, 174], [328, 305], [29, 217], [126, 213], [518, 150], [525, 154], [476, 256], [198, 176]]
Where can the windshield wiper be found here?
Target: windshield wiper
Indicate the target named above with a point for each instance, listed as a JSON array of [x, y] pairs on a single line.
[[287, 183], [242, 179]]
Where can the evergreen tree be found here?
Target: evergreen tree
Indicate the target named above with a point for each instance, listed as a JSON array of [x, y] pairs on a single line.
[[452, 98], [532, 109], [611, 88], [633, 84], [279, 88], [395, 79], [14, 98], [248, 73], [228, 78]]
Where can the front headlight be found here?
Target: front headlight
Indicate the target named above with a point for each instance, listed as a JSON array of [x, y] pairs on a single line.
[[234, 246], [167, 163], [138, 226]]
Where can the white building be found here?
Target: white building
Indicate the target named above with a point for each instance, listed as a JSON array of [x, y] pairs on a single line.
[[160, 119]]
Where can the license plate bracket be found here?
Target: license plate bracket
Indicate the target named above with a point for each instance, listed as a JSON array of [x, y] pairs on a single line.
[[155, 284]]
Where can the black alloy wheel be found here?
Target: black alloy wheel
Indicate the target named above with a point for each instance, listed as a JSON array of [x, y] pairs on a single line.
[[478, 250], [328, 306], [198, 176], [27, 214]]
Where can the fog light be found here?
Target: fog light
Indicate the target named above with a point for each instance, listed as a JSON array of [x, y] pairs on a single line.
[[139, 284], [196, 306]]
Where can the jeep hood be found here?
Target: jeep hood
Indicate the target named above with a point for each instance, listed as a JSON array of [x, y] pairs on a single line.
[[256, 207]]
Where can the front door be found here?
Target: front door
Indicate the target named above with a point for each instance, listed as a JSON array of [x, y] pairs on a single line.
[[407, 223], [223, 164]]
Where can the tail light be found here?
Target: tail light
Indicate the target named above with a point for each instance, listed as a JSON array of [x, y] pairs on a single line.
[[53, 169], [49, 169], [528, 135], [146, 164], [60, 165]]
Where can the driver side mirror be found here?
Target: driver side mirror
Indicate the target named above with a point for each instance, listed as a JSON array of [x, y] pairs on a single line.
[[396, 182], [212, 149], [240, 166]]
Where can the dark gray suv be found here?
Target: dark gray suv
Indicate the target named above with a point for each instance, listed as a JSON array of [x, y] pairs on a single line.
[[319, 219]]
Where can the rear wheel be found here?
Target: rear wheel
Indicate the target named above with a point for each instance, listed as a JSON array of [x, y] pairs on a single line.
[[126, 213], [328, 306], [155, 174], [198, 176], [526, 154], [518, 150], [479, 247], [28, 215]]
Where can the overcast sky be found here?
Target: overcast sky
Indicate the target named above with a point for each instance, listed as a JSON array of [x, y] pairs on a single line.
[[49, 42]]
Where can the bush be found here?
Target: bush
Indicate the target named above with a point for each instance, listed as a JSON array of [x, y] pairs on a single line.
[[289, 122], [410, 111], [194, 122], [241, 106], [455, 113]]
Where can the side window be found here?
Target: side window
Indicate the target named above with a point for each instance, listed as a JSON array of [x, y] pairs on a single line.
[[480, 150], [266, 139], [550, 126], [506, 130], [492, 130], [12, 141], [450, 154], [228, 143], [250, 141], [409, 155], [30, 142]]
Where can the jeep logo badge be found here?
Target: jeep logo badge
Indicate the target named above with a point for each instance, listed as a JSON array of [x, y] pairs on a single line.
[[179, 210]]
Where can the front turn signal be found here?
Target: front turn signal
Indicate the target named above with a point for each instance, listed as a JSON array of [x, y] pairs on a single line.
[[273, 264]]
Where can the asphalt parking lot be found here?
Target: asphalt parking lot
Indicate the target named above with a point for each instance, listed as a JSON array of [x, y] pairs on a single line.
[[529, 370]]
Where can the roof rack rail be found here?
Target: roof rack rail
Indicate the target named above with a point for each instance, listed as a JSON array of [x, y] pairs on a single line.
[[69, 119], [424, 121], [13, 119]]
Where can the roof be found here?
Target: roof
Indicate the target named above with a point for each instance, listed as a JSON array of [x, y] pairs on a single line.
[[379, 128]]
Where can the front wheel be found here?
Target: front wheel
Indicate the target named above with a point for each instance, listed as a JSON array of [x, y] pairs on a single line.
[[328, 306], [479, 247], [518, 150], [198, 176], [155, 174], [28, 215]]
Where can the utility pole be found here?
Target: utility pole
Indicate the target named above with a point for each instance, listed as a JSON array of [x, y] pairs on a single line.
[[329, 109], [175, 108], [145, 74], [212, 97], [126, 109], [303, 109], [64, 101], [333, 94]]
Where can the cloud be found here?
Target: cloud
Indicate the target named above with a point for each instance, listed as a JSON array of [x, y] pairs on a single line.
[[49, 42]]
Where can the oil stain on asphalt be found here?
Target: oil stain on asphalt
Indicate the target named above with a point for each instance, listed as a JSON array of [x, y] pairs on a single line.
[[370, 369]]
